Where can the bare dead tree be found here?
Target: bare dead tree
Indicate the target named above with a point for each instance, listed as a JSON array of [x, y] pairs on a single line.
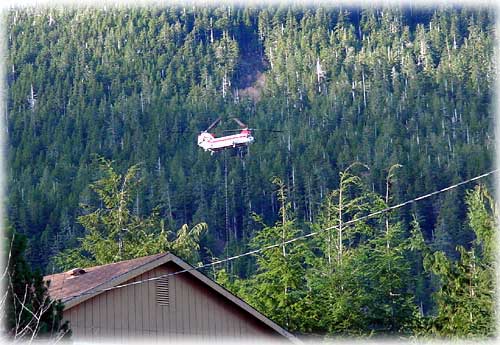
[[27, 310]]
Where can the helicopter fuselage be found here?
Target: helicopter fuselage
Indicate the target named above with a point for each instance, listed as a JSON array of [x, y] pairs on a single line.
[[209, 142]]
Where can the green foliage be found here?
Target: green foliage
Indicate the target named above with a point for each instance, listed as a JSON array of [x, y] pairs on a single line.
[[482, 217], [365, 286], [349, 279], [276, 289], [378, 85], [115, 233], [465, 299], [29, 311]]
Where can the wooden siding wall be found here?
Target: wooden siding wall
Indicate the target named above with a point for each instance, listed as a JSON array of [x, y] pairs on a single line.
[[132, 312]]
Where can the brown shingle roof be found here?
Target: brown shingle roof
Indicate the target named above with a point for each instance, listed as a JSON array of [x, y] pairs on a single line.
[[73, 290], [64, 286]]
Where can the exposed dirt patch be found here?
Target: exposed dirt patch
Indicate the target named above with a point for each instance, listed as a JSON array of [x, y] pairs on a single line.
[[254, 91], [251, 79]]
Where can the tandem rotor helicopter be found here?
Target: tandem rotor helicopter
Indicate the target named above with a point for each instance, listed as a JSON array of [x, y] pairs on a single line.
[[209, 142]]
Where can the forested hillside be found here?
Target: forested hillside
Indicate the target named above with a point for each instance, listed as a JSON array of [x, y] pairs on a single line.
[[379, 86]]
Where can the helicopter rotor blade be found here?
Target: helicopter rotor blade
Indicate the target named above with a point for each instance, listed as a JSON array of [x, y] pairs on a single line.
[[241, 124], [254, 129], [270, 130], [215, 123], [232, 130]]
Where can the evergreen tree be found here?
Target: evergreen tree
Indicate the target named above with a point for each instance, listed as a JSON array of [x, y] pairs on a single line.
[[115, 232], [384, 85], [465, 299], [276, 289], [29, 311], [365, 287]]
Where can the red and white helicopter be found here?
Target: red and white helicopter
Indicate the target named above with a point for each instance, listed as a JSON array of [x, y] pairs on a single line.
[[209, 142]]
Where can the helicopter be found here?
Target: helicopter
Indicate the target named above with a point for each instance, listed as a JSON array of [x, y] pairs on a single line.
[[209, 142]]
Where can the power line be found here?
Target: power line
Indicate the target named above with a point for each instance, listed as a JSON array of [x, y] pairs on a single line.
[[311, 234]]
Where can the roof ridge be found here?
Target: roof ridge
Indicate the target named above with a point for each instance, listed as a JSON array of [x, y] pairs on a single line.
[[113, 278], [128, 260], [158, 255]]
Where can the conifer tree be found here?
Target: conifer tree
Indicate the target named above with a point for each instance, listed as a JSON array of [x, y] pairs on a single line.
[[277, 287], [114, 232], [27, 310], [465, 299]]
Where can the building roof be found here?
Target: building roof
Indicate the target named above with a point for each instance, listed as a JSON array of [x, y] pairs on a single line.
[[75, 289], [65, 286]]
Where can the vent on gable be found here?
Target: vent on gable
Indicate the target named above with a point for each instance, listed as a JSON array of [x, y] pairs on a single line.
[[162, 292]]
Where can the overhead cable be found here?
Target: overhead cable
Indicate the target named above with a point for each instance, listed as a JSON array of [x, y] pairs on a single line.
[[282, 243]]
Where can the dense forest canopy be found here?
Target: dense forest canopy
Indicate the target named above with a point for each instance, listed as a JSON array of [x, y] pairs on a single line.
[[382, 86]]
